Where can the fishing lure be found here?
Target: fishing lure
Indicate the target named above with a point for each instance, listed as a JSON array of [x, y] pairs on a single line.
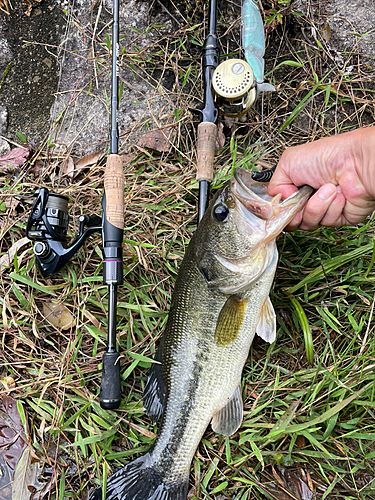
[[253, 40]]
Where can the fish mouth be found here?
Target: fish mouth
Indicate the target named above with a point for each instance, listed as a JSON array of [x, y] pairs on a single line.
[[275, 212]]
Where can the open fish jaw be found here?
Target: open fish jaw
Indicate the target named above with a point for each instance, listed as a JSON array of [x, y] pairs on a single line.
[[254, 199]]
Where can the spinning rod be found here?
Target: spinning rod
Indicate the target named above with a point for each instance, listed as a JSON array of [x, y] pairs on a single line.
[[112, 235], [48, 224]]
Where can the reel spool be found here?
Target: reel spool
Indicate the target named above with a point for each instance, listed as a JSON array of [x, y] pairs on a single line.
[[235, 87]]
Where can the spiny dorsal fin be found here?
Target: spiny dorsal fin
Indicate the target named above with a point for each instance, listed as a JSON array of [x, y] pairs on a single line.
[[266, 327], [230, 321], [227, 420]]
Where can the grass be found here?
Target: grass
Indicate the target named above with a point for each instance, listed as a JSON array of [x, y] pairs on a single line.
[[309, 398]]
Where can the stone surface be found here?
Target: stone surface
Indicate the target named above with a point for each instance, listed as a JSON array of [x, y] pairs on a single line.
[[83, 100], [352, 28], [4, 146], [3, 120], [28, 90]]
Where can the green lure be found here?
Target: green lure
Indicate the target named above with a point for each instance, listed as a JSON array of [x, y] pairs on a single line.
[[253, 40]]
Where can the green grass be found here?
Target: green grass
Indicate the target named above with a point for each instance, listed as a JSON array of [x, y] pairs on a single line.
[[309, 397]]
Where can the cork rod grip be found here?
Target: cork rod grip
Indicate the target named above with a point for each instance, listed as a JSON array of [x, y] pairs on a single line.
[[206, 145], [114, 191]]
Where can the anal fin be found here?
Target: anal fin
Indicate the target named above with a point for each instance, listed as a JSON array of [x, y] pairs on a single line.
[[227, 420], [266, 327]]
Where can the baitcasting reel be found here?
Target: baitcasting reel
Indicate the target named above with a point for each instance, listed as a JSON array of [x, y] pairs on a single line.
[[236, 88], [48, 227]]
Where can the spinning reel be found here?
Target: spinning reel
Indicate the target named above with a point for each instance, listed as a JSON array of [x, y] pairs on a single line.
[[48, 227], [236, 88]]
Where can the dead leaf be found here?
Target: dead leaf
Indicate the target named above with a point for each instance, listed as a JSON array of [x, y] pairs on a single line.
[[220, 138], [169, 168], [156, 139], [293, 482], [141, 430], [37, 168], [127, 158], [58, 315], [87, 160], [8, 383], [7, 259], [13, 440], [25, 476], [13, 158], [11, 203], [326, 32], [68, 167]]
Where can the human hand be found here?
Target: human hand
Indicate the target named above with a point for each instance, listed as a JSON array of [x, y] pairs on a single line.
[[342, 170]]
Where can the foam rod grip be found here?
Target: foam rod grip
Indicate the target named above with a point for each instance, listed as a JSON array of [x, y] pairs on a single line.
[[110, 387], [114, 191], [206, 145]]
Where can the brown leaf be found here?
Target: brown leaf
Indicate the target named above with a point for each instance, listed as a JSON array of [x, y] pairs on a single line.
[[25, 476], [12, 436], [156, 139], [87, 160], [37, 168], [68, 167], [58, 315], [11, 203], [7, 259], [220, 138], [8, 383], [294, 483], [141, 430], [14, 158]]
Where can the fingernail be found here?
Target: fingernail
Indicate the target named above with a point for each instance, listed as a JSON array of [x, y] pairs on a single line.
[[326, 191]]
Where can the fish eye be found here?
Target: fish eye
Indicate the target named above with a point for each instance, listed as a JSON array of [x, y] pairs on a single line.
[[221, 212]]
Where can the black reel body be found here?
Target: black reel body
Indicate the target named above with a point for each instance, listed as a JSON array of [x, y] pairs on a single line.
[[48, 228]]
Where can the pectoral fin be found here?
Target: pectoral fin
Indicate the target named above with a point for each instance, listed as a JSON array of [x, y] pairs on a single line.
[[266, 327], [227, 420], [230, 321]]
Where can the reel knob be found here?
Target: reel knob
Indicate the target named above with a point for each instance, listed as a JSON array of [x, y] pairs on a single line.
[[235, 87], [41, 249]]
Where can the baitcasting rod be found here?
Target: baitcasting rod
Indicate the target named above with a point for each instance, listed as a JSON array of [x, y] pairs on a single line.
[[112, 236], [207, 129]]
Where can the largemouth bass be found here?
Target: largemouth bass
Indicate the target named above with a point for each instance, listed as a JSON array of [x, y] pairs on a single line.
[[220, 300]]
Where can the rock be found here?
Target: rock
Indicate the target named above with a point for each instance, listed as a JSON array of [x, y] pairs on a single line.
[[4, 147], [3, 120]]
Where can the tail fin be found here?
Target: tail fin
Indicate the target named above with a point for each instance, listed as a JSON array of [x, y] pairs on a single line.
[[140, 481]]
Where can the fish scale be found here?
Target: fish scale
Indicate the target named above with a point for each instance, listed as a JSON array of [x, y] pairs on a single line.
[[219, 302]]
